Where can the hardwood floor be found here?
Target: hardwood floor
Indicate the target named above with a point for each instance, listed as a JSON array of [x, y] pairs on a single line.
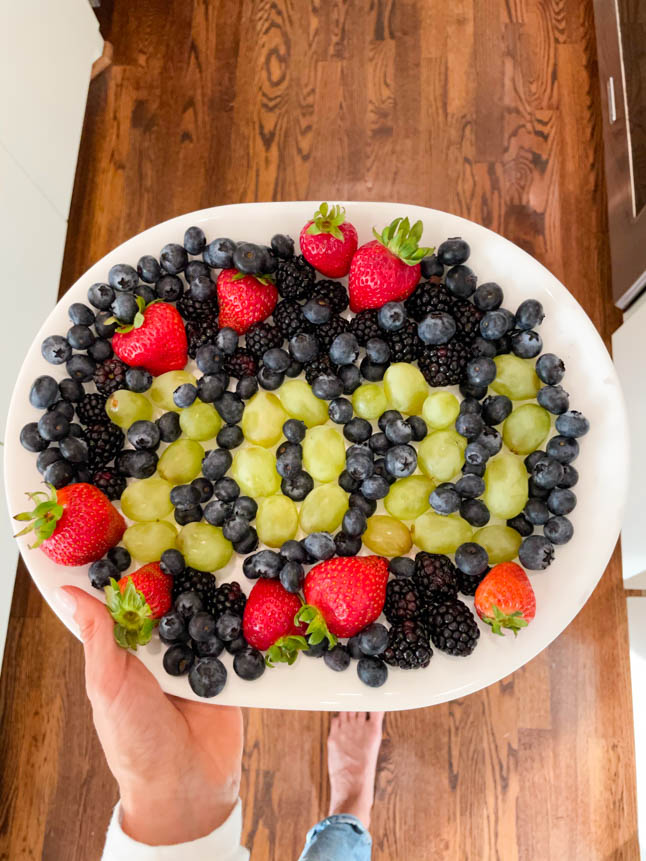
[[487, 108]]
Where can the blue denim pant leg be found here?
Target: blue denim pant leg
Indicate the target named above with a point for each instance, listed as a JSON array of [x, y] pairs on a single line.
[[341, 837]]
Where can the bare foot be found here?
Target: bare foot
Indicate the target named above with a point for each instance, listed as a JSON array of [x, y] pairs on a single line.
[[352, 751]]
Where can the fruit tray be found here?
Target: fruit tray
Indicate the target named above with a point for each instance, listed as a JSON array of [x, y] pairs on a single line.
[[561, 589]]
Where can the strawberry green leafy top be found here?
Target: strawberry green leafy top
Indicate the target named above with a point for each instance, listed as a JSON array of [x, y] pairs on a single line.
[[403, 240], [328, 220]]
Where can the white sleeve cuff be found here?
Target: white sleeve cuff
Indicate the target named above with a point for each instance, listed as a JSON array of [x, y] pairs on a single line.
[[223, 844]]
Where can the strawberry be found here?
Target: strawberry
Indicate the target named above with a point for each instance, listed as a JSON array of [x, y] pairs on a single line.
[[343, 595], [75, 525], [268, 622], [244, 299], [328, 241], [136, 601], [156, 340], [387, 269], [505, 598]]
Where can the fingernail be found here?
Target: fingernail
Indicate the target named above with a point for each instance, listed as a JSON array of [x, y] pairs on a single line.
[[66, 606]]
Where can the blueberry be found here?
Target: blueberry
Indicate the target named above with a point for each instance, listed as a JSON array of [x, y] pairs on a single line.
[[536, 512], [194, 240], [561, 501], [354, 649], [226, 489], [172, 628], [282, 246], [521, 524], [269, 380], [204, 488], [207, 676], [488, 296], [347, 545], [185, 496], [401, 566], [471, 559], [318, 649], [138, 380], [64, 409], [473, 469], [193, 514], [491, 440], [475, 512], [493, 325], [495, 409], [101, 571], [461, 281], [536, 491], [536, 552], [377, 350], [570, 476], [526, 344], [248, 544], [327, 387], [184, 395], [572, 424], [172, 562], [476, 454], [354, 522], [357, 430], [290, 460], [529, 314], [298, 486], [74, 450], [350, 376], [169, 288], [468, 390], [340, 410], [56, 350], [480, 347], [201, 627], [532, 459], [218, 254], [317, 311], [431, 267], [418, 427], [381, 470], [148, 269], [277, 360], [146, 293], [217, 512], [359, 464], [344, 349], [372, 671], [101, 296], [203, 289], [436, 328], [481, 371], [469, 425], [265, 563], [101, 350], [210, 387], [235, 529], [401, 461], [319, 545], [173, 258], [71, 390], [374, 487], [105, 329], [81, 368], [379, 443], [226, 342], [228, 627], [303, 347], [80, 314], [347, 482], [230, 408], [249, 664], [169, 427], [188, 604], [368, 506], [470, 486], [558, 530], [372, 371], [178, 659], [547, 472], [144, 434], [445, 499], [250, 258], [373, 640], [550, 369], [59, 473], [47, 456], [246, 387], [122, 276], [391, 316], [211, 647], [292, 576], [230, 436], [293, 551], [194, 269], [294, 430], [453, 251], [338, 658], [563, 448], [53, 426], [398, 431], [44, 392], [137, 464]]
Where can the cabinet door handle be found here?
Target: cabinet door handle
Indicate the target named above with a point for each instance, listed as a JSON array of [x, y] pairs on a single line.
[[612, 105]]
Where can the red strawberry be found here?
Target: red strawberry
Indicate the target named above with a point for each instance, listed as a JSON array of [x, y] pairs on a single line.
[[387, 268], [268, 622], [329, 241], [343, 595], [505, 598], [75, 525], [156, 340], [244, 299], [136, 601]]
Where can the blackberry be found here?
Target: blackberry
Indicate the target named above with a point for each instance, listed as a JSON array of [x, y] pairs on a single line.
[[364, 326], [104, 443], [109, 376], [444, 365], [91, 410], [193, 309], [110, 482], [320, 365], [435, 578], [192, 580], [468, 583], [262, 337], [228, 598], [334, 294], [199, 333], [453, 628], [402, 601], [408, 646], [405, 344], [289, 318], [467, 319], [295, 278], [242, 364], [328, 331], [429, 297]]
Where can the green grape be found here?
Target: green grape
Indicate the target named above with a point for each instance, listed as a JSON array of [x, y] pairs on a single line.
[[387, 536], [200, 421], [438, 533], [505, 486], [515, 377], [181, 462], [440, 455], [440, 410], [405, 388], [124, 408], [408, 497], [204, 546], [500, 542], [301, 403], [161, 391], [276, 520], [263, 419], [146, 542], [255, 471], [148, 499], [525, 428], [323, 509], [369, 401], [323, 453]]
